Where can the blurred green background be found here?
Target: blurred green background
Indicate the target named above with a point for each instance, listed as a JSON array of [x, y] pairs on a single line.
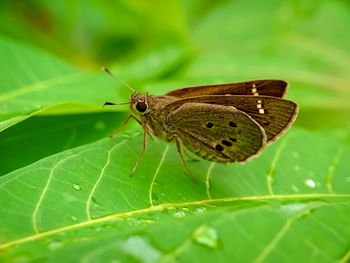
[[200, 42]]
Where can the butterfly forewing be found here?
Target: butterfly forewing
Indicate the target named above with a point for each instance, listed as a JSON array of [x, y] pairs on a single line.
[[264, 87], [216, 132]]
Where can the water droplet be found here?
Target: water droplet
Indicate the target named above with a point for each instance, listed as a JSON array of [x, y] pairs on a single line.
[[179, 214], [55, 245], [295, 154], [155, 197], [311, 173], [290, 209], [93, 199], [138, 133], [162, 194], [126, 136], [76, 187], [295, 189], [134, 222], [141, 249], [100, 125], [68, 197], [199, 210], [297, 168], [206, 236], [310, 183], [74, 218]]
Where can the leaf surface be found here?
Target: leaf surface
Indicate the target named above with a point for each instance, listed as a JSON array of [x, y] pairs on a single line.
[[161, 214]]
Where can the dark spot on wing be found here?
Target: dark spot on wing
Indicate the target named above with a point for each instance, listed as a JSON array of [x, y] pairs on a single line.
[[209, 125], [219, 148], [232, 124], [233, 139], [227, 143]]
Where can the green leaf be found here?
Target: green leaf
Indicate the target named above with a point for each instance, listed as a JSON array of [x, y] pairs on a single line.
[[41, 136], [34, 82], [81, 205]]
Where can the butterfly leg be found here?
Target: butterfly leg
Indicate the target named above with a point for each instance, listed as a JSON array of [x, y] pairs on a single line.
[[125, 122], [143, 149], [189, 156], [178, 145]]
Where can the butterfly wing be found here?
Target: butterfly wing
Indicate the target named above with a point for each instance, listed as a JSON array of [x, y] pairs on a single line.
[[216, 132], [264, 87], [274, 115]]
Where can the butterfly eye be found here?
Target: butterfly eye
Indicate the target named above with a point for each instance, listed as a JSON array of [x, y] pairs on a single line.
[[141, 106]]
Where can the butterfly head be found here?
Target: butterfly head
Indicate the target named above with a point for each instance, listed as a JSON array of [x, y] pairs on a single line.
[[139, 103]]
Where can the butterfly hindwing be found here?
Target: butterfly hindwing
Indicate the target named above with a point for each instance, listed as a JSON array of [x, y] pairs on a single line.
[[274, 115], [216, 132]]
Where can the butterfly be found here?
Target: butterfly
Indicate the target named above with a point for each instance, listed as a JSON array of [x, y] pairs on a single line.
[[232, 122]]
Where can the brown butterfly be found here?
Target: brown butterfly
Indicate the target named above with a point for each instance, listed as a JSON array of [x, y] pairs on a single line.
[[226, 123]]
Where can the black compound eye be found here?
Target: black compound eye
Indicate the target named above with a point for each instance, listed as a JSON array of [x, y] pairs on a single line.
[[141, 106]]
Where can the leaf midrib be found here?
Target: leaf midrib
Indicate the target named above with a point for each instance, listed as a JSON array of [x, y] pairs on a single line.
[[160, 207]]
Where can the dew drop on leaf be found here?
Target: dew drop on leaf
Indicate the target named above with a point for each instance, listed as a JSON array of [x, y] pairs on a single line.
[[55, 245], [141, 249], [293, 208], [96, 203], [100, 125], [310, 183], [295, 154], [179, 214], [155, 197], [76, 187], [199, 210], [206, 236], [125, 136], [74, 218]]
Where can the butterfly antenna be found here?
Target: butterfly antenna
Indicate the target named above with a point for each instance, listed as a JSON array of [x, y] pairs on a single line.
[[121, 81]]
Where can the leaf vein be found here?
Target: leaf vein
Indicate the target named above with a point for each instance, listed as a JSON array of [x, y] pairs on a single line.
[[271, 172], [161, 207], [156, 174], [43, 193], [100, 178], [207, 181]]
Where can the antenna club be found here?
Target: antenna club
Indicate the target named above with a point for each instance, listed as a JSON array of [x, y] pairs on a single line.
[[117, 78], [105, 69]]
